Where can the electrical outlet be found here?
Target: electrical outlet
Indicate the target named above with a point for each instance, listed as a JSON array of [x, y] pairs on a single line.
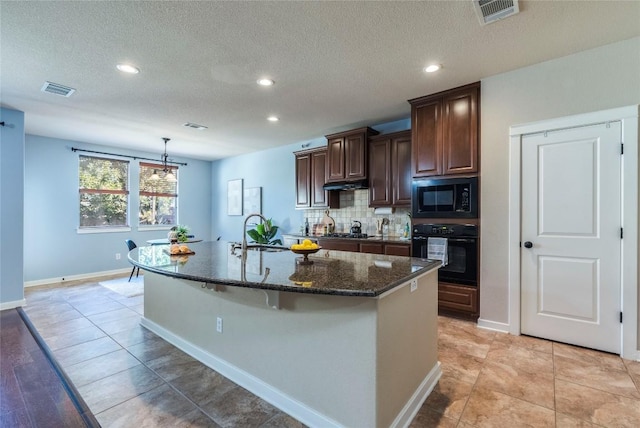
[[414, 285], [117, 256], [219, 325]]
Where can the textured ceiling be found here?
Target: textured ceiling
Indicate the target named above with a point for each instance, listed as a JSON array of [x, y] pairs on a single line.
[[337, 65]]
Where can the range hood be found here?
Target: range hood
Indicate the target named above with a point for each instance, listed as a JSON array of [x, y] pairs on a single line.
[[347, 185]]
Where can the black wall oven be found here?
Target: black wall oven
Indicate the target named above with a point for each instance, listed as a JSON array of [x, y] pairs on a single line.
[[462, 250], [445, 198]]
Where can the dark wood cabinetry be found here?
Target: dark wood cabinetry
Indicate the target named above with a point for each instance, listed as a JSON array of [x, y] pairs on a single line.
[[445, 132], [347, 155], [311, 173], [372, 247], [459, 299], [390, 170]]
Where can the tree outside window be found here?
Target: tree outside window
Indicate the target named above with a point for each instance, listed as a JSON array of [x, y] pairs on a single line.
[[158, 196], [104, 194]]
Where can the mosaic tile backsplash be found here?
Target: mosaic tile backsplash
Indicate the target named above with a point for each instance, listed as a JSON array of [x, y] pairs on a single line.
[[354, 205]]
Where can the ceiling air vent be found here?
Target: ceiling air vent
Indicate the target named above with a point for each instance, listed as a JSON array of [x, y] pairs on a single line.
[[58, 89], [195, 126], [489, 11]]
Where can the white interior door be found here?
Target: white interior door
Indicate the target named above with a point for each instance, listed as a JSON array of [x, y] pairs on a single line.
[[571, 243]]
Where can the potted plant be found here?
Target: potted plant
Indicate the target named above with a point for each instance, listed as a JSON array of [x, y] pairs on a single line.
[[179, 233], [264, 233]]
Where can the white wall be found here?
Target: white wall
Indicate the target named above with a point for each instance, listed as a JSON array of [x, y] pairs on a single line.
[[592, 80], [11, 207]]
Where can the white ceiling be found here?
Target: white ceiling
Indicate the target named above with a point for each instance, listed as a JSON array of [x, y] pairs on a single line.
[[337, 65]]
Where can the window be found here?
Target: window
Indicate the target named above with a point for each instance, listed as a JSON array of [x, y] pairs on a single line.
[[104, 194], [158, 196]]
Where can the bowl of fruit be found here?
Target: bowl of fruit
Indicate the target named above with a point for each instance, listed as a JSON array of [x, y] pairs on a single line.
[[305, 248]]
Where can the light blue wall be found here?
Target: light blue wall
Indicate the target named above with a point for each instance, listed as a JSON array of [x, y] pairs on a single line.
[[54, 249], [11, 207], [274, 171]]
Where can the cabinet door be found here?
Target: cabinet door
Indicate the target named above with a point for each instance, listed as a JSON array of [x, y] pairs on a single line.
[[303, 189], [355, 149], [460, 132], [426, 137], [458, 298], [371, 248], [397, 250], [379, 173], [335, 157], [339, 245], [319, 196], [401, 171]]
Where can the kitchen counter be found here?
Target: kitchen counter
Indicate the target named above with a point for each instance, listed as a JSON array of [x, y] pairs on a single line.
[[348, 341], [333, 272]]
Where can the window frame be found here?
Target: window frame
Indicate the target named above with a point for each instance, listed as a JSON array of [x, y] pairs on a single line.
[[126, 192], [144, 193]]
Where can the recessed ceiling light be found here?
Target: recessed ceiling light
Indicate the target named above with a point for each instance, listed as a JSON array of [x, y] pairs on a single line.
[[273, 118], [194, 126], [265, 82], [433, 68], [126, 68]]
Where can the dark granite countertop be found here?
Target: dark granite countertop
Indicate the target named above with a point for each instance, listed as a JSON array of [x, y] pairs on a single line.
[[332, 272], [386, 239]]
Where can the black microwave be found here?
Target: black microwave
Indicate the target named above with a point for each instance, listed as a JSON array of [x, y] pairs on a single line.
[[445, 198]]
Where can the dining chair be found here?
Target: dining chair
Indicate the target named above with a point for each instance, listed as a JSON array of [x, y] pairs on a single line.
[[131, 245]]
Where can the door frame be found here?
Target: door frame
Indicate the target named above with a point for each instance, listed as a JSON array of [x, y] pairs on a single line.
[[628, 116]]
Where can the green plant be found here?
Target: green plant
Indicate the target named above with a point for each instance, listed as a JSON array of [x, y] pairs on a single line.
[[264, 233], [182, 232]]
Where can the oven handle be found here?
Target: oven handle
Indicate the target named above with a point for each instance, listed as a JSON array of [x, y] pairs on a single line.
[[465, 240]]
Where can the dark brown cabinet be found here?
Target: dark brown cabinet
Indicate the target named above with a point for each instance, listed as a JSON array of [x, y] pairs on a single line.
[[390, 170], [365, 247], [460, 299], [347, 155], [445, 132], [311, 174]]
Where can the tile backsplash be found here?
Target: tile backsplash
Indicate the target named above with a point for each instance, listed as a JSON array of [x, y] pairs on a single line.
[[354, 205]]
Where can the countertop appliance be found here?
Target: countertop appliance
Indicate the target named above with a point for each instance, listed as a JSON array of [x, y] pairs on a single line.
[[445, 198], [462, 249], [356, 228]]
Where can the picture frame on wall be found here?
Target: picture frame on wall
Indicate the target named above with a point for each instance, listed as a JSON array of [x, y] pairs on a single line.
[[234, 197], [252, 200]]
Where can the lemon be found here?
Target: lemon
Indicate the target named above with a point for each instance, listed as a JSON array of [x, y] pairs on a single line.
[[306, 243]]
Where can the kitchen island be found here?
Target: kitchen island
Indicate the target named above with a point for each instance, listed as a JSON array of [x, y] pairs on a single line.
[[350, 340]]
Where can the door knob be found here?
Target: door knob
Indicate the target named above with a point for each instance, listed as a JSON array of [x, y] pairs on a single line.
[[528, 244]]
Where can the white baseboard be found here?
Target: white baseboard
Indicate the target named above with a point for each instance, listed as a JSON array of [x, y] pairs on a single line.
[[79, 277], [11, 305], [493, 325], [410, 410], [282, 401]]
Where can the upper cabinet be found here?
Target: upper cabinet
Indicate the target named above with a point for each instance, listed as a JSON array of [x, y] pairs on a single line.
[[347, 155], [390, 170], [445, 132], [311, 173]]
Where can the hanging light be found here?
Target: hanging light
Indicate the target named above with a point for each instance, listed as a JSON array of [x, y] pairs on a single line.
[[168, 171], [155, 176]]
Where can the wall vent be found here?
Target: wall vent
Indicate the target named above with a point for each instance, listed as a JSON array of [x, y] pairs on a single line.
[[58, 89], [195, 126], [489, 11]]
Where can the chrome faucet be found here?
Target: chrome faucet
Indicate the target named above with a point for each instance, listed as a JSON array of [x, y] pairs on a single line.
[[244, 228]]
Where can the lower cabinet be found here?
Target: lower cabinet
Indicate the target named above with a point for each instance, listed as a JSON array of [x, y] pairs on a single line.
[[365, 247], [340, 245], [460, 299], [397, 250]]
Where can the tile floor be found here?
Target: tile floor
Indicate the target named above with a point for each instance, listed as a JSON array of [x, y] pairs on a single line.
[[129, 377]]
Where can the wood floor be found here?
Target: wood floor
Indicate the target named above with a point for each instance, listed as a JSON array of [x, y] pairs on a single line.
[[129, 377], [32, 392]]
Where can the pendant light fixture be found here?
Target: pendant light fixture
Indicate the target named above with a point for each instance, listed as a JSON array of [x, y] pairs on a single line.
[[168, 171]]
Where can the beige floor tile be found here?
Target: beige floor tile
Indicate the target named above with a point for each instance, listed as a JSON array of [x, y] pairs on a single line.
[[462, 367], [598, 407], [85, 351], [449, 397], [595, 376], [528, 342], [488, 408], [239, 408], [464, 344], [100, 367], [524, 359], [133, 336], [536, 388], [428, 418], [173, 364], [282, 420], [62, 327], [112, 315], [74, 337], [566, 421], [588, 356]]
